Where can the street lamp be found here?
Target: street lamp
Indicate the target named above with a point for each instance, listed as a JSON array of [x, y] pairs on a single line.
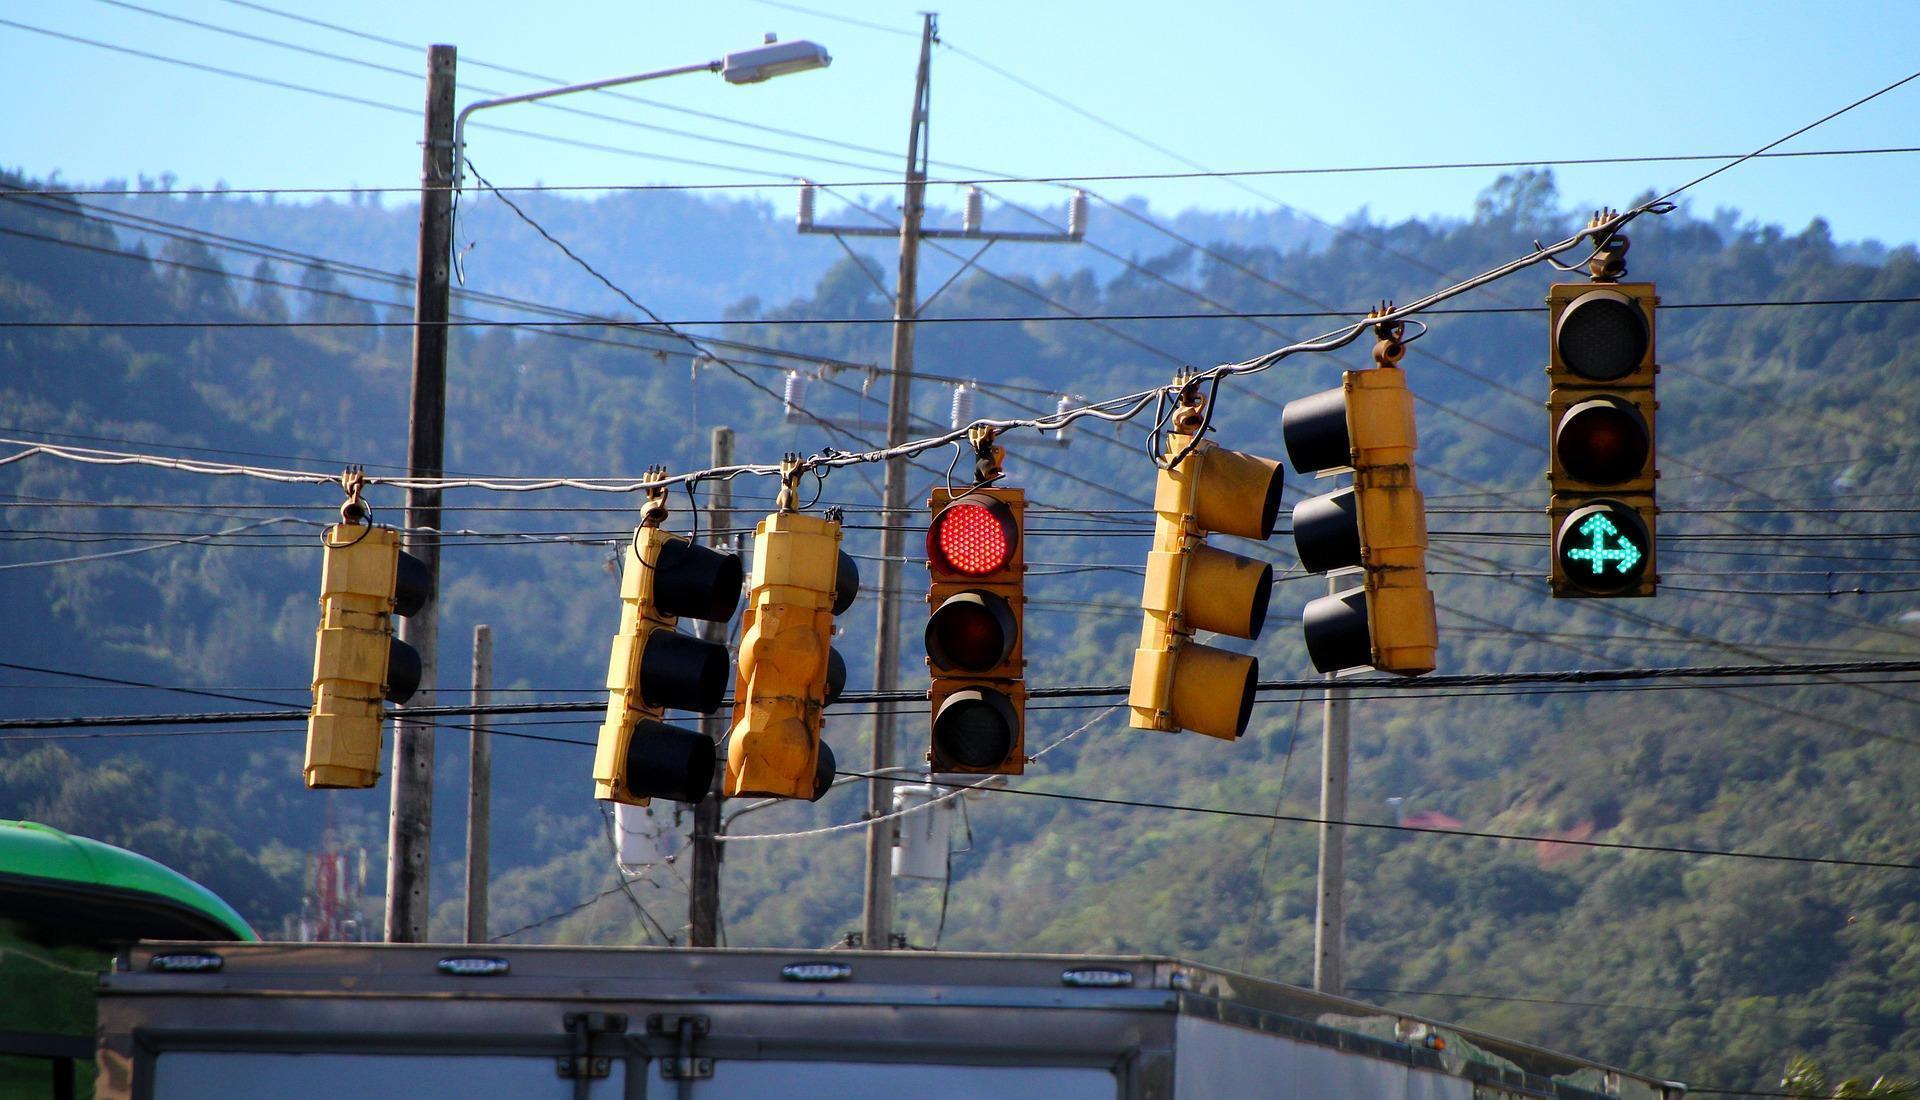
[[751, 66]]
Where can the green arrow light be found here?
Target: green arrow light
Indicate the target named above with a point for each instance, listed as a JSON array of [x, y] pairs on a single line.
[[1599, 529]]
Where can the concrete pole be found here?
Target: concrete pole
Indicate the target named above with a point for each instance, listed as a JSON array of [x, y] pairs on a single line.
[[703, 895], [410, 823], [479, 788], [877, 898]]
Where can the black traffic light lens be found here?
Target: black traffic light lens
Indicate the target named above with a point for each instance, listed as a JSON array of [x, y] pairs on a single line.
[[1603, 548], [1602, 336], [1604, 441], [682, 673], [698, 582], [974, 535], [974, 728], [971, 631], [668, 762]]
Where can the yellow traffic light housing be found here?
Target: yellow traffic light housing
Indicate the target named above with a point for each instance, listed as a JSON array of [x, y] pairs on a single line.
[[976, 651], [1202, 488], [788, 670], [654, 667], [365, 579], [1601, 411], [1378, 524]]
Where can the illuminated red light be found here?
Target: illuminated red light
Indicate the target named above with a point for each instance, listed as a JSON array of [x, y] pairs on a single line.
[[974, 538]]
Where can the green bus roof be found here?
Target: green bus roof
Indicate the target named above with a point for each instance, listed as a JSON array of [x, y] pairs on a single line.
[[80, 888]]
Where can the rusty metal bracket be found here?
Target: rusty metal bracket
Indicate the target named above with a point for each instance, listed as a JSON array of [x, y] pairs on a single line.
[[685, 1031], [582, 1064]]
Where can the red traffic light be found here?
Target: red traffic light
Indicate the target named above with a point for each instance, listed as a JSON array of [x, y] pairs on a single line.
[[975, 535], [1603, 441], [972, 631]]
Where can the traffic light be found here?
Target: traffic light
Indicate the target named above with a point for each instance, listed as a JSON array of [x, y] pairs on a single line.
[[365, 580], [655, 667], [1202, 488], [1379, 523], [789, 669], [1601, 408], [975, 648]]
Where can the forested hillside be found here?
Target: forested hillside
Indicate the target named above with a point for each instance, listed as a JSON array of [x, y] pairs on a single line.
[[1788, 499]]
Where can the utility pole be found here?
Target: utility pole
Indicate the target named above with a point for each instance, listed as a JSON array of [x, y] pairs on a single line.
[[877, 897], [876, 902], [410, 824], [479, 788], [703, 893], [1330, 913]]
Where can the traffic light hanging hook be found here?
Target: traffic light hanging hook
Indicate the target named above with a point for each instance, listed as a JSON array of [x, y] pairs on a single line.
[[1390, 345], [987, 456], [791, 467], [654, 512], [353, 480]]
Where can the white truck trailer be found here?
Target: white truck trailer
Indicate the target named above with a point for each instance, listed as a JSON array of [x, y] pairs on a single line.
[[291, 1021]]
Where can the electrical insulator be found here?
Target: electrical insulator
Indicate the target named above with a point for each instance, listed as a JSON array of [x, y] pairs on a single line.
[[962, 405], [793, 395], [804, 218], [1060, 408], [970, 220], [1077, 215]]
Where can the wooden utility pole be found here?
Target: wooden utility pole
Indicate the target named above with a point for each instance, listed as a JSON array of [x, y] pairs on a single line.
[[479, 788], [1330, 912], [410, 824], [877, 899], [703, 892]]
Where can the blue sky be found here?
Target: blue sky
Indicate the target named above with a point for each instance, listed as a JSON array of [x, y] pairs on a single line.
[[1222, 83]]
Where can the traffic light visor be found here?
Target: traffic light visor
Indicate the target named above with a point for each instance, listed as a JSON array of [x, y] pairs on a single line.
[[1238, 494], [971, 631], [412, 584], [1213, 690], [975, 728], [696, 581], [682, 673], [1602, 336], [668, 762], [975, 535], [1603, 441]]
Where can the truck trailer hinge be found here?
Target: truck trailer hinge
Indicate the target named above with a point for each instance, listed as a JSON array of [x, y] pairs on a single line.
[[685, 1031], [582, 1063]]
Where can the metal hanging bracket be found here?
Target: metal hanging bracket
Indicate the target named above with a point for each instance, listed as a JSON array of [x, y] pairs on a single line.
[[1389, 338], [987, 456], [1191, 415], [790, 470], [654, 512], [353, 481], [1609, 260]]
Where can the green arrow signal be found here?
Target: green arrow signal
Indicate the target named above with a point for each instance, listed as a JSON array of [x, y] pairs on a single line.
[[1599, 528]]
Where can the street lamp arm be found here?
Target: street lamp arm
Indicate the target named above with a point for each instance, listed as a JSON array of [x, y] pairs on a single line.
[[460, 122], [749, 66]]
